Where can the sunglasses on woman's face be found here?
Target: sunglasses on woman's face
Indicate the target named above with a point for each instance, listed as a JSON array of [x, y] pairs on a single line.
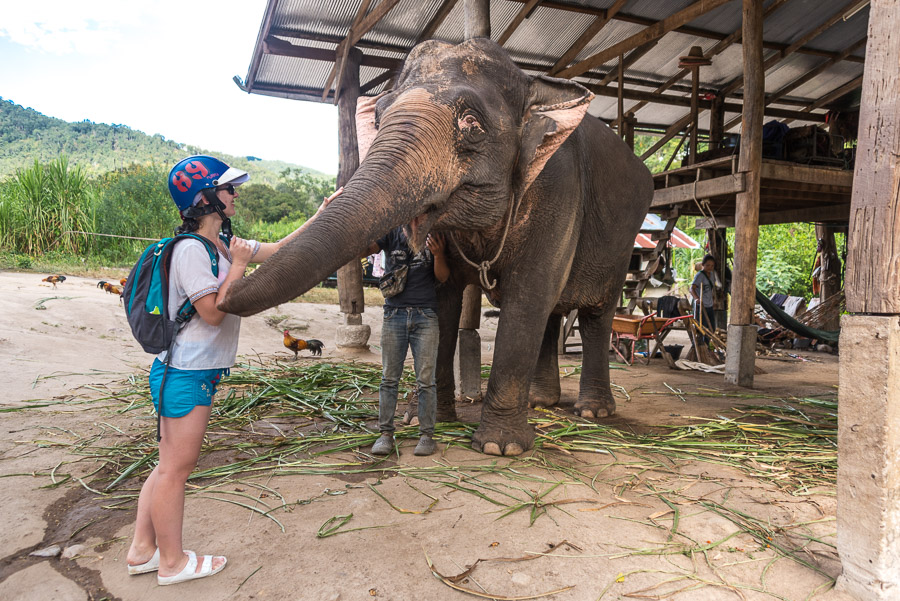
[[227, 187]]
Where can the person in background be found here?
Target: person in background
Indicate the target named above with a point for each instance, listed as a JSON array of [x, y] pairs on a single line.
[[702, 291], [410, 322], [204, 190]]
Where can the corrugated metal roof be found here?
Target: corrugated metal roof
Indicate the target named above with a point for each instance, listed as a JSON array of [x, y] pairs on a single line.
[[549, 31]]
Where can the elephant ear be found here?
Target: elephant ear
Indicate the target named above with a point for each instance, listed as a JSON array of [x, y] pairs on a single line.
[[365, 123], [555, 107]]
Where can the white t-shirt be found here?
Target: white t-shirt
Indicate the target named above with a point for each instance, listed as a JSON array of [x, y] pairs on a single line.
[[199, 345]]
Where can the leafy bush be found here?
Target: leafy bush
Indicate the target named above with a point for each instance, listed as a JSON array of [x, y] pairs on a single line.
[[42, 205], [135, 202]]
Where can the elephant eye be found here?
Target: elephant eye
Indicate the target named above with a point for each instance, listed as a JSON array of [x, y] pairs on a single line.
[[469, 121]]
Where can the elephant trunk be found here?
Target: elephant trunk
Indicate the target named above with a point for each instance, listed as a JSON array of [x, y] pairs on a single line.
[[404, 177], [364, 212]]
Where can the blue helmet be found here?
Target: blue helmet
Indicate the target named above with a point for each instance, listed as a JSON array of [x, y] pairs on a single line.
[[196, 173]]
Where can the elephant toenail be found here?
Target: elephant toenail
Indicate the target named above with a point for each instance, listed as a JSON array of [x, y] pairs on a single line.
[[513, 449], [587, 414], [491, 448]]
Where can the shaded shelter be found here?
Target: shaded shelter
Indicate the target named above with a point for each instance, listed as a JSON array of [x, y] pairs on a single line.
[[786, 60]]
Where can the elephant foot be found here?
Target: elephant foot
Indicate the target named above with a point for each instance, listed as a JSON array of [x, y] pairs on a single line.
[[542, 399], [596, 408], [447, 414], [510, 440]]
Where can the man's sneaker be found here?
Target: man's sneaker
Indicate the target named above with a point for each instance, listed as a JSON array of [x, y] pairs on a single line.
[[384, 445], [426, 446]]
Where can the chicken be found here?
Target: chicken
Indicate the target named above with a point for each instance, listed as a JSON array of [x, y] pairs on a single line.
[[54, 279], [110, 288], [122, 281], [315, 346]]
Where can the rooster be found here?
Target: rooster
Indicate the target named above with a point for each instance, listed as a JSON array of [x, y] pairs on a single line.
[[110, 288], [54, 279], [315, 346], [122, 281]]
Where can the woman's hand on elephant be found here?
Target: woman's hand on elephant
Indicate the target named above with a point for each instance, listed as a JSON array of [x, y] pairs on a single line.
[[241, 251], [328, 200], [435, 243]]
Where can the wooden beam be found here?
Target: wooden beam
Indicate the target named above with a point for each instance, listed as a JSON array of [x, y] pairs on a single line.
[[788, 88], [523, 14], [377, 81], [873, 262], [673, 100], [692, 31], [741, 352], [271, 7], [839, 212], [835, 94], [585, 38], [779, 56], [652, 32], [436, 21], [670, 133], [733, 38], [727, 185], [279, 47], [478, 19], [341, 52], [370, 21], [806, 174], [633, 57], [363, 27]]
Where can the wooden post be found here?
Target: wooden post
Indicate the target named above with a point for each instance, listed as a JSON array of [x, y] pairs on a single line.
[[868, 507], [351, 334], [630, 122], [478, 19], [695, 114], [829, 270], [468, 350], [620, 98], [741, 356], [716, 122]]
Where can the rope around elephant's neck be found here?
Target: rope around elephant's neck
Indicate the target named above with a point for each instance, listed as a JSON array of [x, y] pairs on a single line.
[[485, 266]]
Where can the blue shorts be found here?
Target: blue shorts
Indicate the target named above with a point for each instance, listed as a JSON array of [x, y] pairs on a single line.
[[185, 388]]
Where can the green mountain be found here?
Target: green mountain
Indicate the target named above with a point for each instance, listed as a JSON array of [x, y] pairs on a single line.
[[26, 135]]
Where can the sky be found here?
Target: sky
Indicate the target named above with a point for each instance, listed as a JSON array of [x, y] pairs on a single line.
[[161, 67]]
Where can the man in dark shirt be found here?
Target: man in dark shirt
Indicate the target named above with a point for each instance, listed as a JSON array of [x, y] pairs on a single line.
[[410, 322]]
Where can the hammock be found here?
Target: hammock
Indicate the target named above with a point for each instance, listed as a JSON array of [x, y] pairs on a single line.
[[792, 324]]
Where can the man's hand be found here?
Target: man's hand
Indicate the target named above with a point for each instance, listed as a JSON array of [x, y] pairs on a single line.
[[435, 243]]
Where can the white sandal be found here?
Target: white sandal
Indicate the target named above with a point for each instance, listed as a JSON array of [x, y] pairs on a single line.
[[189, 572], [151, 565]]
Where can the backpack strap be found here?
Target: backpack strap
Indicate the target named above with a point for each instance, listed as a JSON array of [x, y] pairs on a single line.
[[187, 311]]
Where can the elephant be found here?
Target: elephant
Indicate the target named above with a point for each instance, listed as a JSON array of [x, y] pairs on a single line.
[[541, 207]]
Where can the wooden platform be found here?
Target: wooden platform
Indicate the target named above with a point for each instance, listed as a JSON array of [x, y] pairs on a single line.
[[791, 192]]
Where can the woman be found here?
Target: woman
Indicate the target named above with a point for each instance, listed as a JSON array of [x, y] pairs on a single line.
[[204, 190], [702, 290]]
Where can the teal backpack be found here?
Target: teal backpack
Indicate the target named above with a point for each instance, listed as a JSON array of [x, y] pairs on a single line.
[[146, 295], [146, 300]]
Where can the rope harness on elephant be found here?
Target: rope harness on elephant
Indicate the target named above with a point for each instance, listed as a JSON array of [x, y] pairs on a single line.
[[485, 266]]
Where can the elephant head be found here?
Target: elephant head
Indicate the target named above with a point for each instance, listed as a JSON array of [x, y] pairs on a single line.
[[453, 147]]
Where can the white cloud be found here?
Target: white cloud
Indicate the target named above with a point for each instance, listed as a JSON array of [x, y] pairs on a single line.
[[160, 67], [66, 27]]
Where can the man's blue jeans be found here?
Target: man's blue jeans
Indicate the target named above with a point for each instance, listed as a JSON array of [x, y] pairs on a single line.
[[408, 328]]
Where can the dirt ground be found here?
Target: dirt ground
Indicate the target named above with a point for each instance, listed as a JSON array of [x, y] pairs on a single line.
[[625, 536]]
